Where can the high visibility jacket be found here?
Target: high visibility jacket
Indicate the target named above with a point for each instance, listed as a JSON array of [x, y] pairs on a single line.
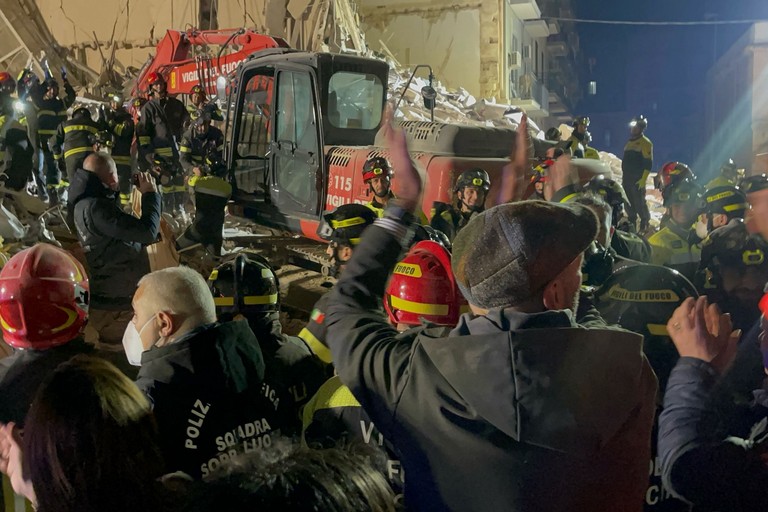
[[120, 124], [16, 152], [73, 141], [194, 149], [210, 195], [638, 158], [378, 209], [210, 108], [314, 333], [576, 145], [51, 113], [159, 127], [590, 152], [721, 181], [671, 248], [334, 416], [449, 220]]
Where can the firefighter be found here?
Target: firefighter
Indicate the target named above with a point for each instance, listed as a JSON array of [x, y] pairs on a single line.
[[636, 165], [471, 190], [756, 189], [642, 299], [553, 135], [199, 104], [729, 175], [720, 206], [734, 270], [576, 141], [73, 142], [624, 241], [28, 84], [51, 112], [120, 126], [158, 131], [671, 173], [247, 288], [422, 289], [377, 174], [342, 229], [674, 246], [201, 156], [16, 150]]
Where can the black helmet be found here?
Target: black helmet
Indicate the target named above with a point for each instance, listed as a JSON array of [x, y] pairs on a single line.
[[640, 121], [245, 285], [726, 200], [729, 169], [754, 183], [429, 233], [608, 189], [581, 120], [103, 138], [50, 83], [733, 246], [377, 167], [81, 112], [642, 299], [473, 178], [346, 224], [682, 192], [553, 134]]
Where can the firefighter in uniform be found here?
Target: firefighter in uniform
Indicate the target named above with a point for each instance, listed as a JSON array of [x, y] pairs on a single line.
[[589, 151], [73, 142], [246, 288], [729, 175], [625, 242], [201, 157], [28, 84], [642, 299], [120, 125], [16, 150], [199, 104], [720, 206], [158, 131], [377, 174], [576, 141], [674, 245], [51, 112], [342, 228], [636, 165], [422, 289], [471, 190]]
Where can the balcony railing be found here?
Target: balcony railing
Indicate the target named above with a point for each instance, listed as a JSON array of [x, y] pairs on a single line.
[[532, 94]]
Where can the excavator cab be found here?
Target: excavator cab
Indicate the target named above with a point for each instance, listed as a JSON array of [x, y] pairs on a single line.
[[285, 108]]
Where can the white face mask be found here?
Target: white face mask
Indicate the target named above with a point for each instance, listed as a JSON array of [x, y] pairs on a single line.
[[701, 229], [132, 342]]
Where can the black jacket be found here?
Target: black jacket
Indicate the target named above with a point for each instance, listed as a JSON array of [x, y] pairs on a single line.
[[112, 239], [159, 127], [73, 143], [16, 150], [23, 372], [51, 113], [120, 125], [211, 398], [509, 412]]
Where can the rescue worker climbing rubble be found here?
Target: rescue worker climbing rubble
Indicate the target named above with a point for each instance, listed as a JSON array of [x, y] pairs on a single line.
[[72, 143], [121, 127], [16, 149], [576, 141], [636, 166]]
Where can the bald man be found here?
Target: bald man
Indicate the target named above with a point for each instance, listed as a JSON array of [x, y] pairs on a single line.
[[206, 380], [114, 244]]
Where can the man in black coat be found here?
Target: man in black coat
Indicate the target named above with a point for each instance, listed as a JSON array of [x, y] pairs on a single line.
[[114, 244], [211, 392], [519, 408]]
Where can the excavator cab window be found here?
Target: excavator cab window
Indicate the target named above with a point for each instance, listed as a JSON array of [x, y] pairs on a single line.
[[253, 137], [296, 146], [354, 100]]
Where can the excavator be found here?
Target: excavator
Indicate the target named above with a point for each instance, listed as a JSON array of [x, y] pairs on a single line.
[[301, 124]]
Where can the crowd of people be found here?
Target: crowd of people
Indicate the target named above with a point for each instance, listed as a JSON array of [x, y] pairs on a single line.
[[551, 352]]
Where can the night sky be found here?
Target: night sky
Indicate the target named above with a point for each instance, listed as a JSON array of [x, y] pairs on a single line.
[[657, 71]]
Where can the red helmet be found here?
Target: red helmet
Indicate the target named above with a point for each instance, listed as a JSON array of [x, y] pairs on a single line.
[[423, 286], [671, 173], [7, 83], [43, 298], [155, 77]]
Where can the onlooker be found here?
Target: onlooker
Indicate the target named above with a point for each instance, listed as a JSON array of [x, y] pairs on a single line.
[[89, 444], [43, 309], [295, 479], [205, 379], [113, 242], [519, 408]]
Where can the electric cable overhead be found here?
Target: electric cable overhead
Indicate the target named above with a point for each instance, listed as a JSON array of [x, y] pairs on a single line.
[[656, 23]]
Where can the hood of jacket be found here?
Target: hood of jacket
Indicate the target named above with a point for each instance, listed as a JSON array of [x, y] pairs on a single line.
[[86, 184], [541, 379], [226, 356]]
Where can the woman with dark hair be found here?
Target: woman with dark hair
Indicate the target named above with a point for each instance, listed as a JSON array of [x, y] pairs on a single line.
[[89, 444], [292, 478]]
